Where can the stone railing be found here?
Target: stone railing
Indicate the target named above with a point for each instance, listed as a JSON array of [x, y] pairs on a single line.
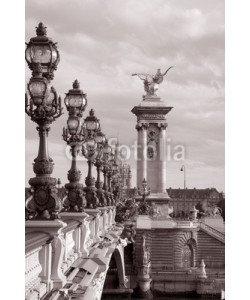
[[52, 247], [186, 224], [33, 287], [36, 284], [212, 231]]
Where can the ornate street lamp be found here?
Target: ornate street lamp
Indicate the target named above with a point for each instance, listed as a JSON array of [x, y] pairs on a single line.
[[115, 177], [144, 191], [75, 100], [105, 169], [116, 187], [43, 107], [110, 174], [89, 150], [74, 136], [101, 141], [41, 49], [144, 208]]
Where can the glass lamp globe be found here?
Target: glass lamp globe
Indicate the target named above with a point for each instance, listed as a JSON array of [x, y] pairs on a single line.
[[91, 122], [38, 86], [73, 125], [100, 138], [91, 143], [75, 99], [43, 50]]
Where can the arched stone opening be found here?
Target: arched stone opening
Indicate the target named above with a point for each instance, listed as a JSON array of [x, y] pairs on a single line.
[[115, 277], [188, 254], [185, 251]]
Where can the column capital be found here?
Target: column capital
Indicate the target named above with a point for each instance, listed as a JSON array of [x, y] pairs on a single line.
[[162, 126], [141, 126]]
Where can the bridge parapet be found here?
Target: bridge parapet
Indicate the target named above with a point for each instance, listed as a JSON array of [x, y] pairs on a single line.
[[213, 232], [52, 247], [146, 222]]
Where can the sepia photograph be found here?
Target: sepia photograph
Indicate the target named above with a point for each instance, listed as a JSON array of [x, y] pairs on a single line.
[[124, 149]]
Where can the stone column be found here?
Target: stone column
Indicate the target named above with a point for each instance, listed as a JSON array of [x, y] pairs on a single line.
[[141, 153], [139, 156], [162, 180], [144, 147]]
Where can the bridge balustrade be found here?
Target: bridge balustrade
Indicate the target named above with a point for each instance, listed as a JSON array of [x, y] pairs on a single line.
[[52, 247]]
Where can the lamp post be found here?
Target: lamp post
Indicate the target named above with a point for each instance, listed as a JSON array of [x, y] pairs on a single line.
[[183, 169], [116, 188], [105, 169], [144, 208], [43, 107], [109, 177], [89, 150], [101, 141], [144, 191], [74, 136]]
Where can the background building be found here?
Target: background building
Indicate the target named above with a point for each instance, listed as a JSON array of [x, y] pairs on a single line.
[[183, 200]]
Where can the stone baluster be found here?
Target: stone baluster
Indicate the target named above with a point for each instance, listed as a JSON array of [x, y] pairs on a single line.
[[86, 240], [32, 271], [54, 230], [58, 250], [94, 225], [77, 239], [97, 227], [92, 229], [45, 257], [103, 225], [81, 235]]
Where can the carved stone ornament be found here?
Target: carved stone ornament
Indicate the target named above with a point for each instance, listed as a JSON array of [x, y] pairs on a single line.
[[75, 200], [150, 152], [141, 126], [162, 125], [153, 135], [101, 196], [108, 198], [91, 197], [74, 176], [152, 116], [145, 209], [43, 203], [43, 167], [90, 182]]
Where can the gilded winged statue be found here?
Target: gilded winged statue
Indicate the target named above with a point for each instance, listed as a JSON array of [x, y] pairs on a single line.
[[151, 82]]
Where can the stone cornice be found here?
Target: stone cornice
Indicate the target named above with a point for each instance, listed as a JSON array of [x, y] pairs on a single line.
[[153, 112]]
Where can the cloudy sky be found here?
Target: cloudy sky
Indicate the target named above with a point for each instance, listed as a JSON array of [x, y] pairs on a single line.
[[102, 42]]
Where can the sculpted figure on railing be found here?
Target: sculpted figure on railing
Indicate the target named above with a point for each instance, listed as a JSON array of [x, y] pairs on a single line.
[[208, 209], [129, 233]]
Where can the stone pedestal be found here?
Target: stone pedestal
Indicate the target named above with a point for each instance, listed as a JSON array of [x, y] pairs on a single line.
[[143, 221], [143, 289], [151, 154]]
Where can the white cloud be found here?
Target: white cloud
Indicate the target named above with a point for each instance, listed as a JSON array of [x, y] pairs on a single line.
[[102, 43]]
